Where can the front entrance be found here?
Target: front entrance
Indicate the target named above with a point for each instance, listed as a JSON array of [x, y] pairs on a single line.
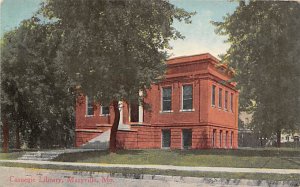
[[134, 113], [186, 138]]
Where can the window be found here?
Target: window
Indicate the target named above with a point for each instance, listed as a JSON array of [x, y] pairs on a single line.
[[214, 138], [226, 100], [166, 138], [187, 97], [186, 138], [221, 139], [89, 106], [231, 101], [213, 95], [167, 99], [287, 138], [231, 139], [220, 97], [226, 139], [104, 110]]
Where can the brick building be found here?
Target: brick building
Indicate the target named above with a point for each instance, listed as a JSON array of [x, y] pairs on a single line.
[[194, 107]]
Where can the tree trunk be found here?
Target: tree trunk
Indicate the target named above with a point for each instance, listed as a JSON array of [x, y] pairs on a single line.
[[114, 128], [5, 132], [18, 144], [278, 138]]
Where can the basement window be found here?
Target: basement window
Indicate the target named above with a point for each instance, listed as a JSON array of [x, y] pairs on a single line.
[[221, 139], [166, 138], [231, 140], [186, 138], [226, 139], [214, 138]]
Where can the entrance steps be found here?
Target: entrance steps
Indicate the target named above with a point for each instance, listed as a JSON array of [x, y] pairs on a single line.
[[49, 154]]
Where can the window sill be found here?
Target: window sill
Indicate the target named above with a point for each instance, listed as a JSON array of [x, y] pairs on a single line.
[[166, 111], [89, 116], [104, 115], [187, 110]]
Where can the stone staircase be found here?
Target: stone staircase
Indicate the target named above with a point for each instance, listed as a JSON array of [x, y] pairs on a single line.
[[39, 155], [49, 154], [100, 142]]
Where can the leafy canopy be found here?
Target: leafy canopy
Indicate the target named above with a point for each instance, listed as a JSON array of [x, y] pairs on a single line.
[[35, 95], [265, 45], [111, 48]]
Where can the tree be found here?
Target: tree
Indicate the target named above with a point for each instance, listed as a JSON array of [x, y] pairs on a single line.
[[264, 51], [35, 96], [114, 49]]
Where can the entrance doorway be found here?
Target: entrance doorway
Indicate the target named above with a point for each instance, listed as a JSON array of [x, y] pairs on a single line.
[[134, 113]]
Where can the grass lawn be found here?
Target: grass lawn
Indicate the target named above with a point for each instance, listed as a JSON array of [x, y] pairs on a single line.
[[285, 158], [257, 158], [11, 155]]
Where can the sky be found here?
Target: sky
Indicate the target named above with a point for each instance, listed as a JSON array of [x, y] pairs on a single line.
[[199, 35]]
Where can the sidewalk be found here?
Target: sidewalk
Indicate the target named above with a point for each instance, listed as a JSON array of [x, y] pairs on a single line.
[[75, 165]]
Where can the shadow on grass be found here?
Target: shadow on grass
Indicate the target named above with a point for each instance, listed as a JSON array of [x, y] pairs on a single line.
[[291, 160], [73, 157], [162, 156], [261, 152]]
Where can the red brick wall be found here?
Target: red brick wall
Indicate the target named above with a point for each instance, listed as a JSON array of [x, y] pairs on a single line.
[[217, 138], [221, 116], [200, 71], [141, 137], [146, 137], [200, 138], [176, 116], [89, 122], [127, 140]]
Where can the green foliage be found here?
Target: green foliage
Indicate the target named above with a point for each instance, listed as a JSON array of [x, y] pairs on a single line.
[[113, 49], [264, 51], [35, 93]]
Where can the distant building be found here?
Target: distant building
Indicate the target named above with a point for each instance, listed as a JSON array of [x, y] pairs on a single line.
[[290, 137], [247, 138], [193, 108]]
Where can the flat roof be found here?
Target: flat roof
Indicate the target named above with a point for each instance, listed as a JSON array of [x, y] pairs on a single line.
[[195, 58], [192, 58]]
